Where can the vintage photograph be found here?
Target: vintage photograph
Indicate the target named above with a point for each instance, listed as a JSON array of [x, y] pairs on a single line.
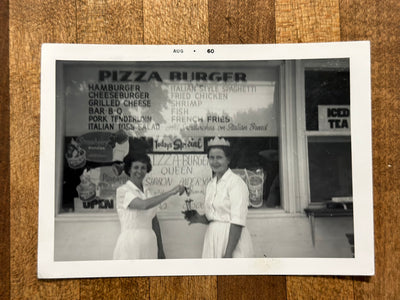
[[205, 160]]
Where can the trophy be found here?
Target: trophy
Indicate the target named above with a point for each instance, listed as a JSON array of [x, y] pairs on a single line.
[[189, 212]]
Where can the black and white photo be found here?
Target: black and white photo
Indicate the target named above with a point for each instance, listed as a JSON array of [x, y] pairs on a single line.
[[205, 160]]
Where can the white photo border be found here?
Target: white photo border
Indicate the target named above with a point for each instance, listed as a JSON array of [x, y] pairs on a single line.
[[360, 94]]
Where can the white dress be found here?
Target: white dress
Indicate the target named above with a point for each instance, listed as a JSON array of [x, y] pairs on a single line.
[[226, 203], [137, 239]]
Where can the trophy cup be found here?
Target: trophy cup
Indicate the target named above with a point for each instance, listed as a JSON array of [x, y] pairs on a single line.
[[189, 212]]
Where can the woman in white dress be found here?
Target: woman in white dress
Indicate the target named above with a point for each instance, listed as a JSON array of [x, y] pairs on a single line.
[[226, 206], [140, 236]]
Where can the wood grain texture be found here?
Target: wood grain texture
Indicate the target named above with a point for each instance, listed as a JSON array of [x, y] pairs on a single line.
[[175, 22], [4, 155], [251, 287], [242, 22], [114, 288], [31, 24], [379, 23], [302, 21], [183, 287], [109, 22], [311, 21], [320, 287]]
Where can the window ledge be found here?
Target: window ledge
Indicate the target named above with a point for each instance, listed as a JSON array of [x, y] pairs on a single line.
[[271, 213], [113, 216], [86, 217], [328, 133]]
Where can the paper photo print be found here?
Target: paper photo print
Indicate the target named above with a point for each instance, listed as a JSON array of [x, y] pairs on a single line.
[[205, 160]]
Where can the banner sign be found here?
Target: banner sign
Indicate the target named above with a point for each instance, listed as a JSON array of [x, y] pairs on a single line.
[[171, 144]]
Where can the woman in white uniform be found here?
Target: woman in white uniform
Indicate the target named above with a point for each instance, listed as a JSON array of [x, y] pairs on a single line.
[[140, 236], [226, 206]]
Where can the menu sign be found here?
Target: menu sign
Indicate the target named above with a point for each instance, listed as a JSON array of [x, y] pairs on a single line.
[[156, 100]]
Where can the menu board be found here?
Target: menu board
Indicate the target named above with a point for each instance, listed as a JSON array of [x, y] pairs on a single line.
[[156, 100]]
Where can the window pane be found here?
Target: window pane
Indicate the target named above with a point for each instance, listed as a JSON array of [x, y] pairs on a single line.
[[329, 167], [324, 88]]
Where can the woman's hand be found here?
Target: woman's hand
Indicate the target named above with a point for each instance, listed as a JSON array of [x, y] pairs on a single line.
[[194, 217], [178, 189]]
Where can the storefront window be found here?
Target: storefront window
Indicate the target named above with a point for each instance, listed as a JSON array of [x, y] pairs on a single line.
[[327, 108], [288, 124], [169, 110]]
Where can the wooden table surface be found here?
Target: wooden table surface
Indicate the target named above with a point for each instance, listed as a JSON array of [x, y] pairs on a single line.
[[26, 24]]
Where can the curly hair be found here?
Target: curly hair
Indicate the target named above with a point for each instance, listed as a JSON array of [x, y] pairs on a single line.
[[131, 158]]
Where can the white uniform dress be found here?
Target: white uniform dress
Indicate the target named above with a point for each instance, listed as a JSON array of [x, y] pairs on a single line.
[[137, 239], [226, 203]]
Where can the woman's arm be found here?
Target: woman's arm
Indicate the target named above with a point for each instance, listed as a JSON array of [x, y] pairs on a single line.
[[238, 196], [138, 203], [157, 230], [235, 231]]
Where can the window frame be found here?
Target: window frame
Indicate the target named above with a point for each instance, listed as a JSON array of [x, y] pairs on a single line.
[[292, 135], [304, 134]]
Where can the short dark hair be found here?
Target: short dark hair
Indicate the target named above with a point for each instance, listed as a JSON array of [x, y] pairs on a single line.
[[131, 158], [227, 150]]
